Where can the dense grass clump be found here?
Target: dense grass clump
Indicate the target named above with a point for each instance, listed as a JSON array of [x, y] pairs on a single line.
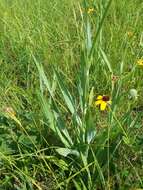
[[71, 113]]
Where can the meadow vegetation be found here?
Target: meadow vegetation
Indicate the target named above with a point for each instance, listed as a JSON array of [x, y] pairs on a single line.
[[71, 102]]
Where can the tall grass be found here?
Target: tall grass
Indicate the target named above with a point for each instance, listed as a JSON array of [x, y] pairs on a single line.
[[56, 58]]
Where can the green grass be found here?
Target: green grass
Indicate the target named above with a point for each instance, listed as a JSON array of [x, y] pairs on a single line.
[[55, 60]]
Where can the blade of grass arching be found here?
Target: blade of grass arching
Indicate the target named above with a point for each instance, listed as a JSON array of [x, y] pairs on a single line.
[[83, 88], [54, 84], [121, 67], [115, 93], [135, 171], [99, 169], [47, 112], [119, 125], [20, 127], [90, 128], [52, 121], [66, 94], [100, 27], [123, 46], [85, 163], [82, 83], [85, 65], [42, 76], [88, 36], [101, 8], [79, 28], [77, 185], [61, 126], [104, 56], [85, 62], [46, 160], [67, 98], [83, 184], [80, 186], [74, 175], [12, 164]]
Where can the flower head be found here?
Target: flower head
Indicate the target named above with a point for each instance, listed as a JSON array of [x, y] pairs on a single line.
[[102, 102], [130, 33], [90, 10], [9, 111], [114, 78], [140, 62], [133, 94]]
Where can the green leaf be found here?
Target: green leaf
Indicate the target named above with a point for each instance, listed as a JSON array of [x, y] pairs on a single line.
[[48, 113], [100, 26], [66, 151], [83, 184], [66, 94], [62, 164], [126, 140], [104, 56], [62, 128], [27, 140], [5, 149], [42, 76], [55, 123], [91, 132], [91, 96], [89, 36], [77, 185]]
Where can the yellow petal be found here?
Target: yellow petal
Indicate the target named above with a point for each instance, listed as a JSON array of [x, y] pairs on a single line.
[[99, 97], [98, 102], [103, 106], [140, 62], [90, 10]]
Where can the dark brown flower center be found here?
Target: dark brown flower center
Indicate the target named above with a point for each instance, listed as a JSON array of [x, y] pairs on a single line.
[[105, 98]]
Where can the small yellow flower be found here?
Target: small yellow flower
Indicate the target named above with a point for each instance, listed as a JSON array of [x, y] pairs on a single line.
[[102, 102], [114, 78], [9, 111], [11, 114], [130, 33], [90, 10], [140, 62]]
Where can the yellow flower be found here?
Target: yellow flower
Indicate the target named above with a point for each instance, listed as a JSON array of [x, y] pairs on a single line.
[[9, 111], [140, 62], [90, 10], [102, 102], [114, 78], [11, 114], [130, 33]]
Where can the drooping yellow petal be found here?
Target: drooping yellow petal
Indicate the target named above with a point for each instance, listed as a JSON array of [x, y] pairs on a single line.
[[103, 106], [99, 97], [98, 102]]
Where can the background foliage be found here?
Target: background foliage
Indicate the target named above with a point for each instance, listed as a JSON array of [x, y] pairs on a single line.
[[55, 59]]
